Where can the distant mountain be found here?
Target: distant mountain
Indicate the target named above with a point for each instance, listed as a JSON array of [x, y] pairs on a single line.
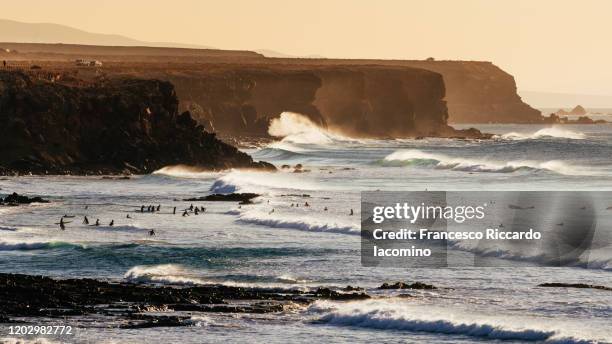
[[18, 32]]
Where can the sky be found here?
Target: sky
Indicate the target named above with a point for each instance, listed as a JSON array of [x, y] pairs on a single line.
[[549, 46]]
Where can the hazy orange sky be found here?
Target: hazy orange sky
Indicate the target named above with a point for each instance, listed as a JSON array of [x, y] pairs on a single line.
[[560, 46]]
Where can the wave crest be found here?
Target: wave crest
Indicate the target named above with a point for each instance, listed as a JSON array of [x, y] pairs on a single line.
[[553, 132], [36, 245], [387, 315], [414, 157]]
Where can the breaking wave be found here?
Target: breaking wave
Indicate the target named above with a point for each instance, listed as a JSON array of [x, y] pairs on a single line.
[[296, 128], [591, 261], [553, 132], [309, 224], [414, 157], [398, 316], [164, 274], [176, 274], [259, 182], [184, 171]]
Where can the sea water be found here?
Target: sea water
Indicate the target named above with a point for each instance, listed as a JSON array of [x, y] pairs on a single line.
[[306, 246]]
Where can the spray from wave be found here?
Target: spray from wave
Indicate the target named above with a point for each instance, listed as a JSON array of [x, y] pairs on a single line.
[[184, 171], [400, 316], [296, 128], [553, 132], [417, 158], [259, 182]]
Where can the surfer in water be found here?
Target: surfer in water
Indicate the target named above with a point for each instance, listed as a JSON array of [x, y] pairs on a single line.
[[85, 220], [185, 213], [112, 223], [128, 216], [352, 212], [191, 207], [196, 211], [174, 211], [61, 224], [142, 208], [151, 232], [97, 222]]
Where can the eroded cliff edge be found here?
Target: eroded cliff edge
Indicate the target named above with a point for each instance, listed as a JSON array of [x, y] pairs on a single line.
[[117, 126], [359, 101]]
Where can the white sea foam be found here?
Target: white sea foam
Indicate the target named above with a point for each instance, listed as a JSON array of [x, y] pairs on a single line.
[[163, 273], [305, 223], [415, 157], [553, 132], [402, 316], [184, 171], [260, 182], [296, 128], [176, 274], [590, 261]]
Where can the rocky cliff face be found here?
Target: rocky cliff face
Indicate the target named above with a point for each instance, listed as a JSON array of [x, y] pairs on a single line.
[[362, 101], [124, 125], [480, 92], [476, 91]]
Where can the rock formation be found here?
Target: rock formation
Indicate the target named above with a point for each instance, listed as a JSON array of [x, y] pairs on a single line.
[[118, 126], [361, 101], [578, 111]]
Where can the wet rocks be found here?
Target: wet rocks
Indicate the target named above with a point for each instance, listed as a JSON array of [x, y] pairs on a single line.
[[34, 296], [15, 199], [402, 285], [243, 198]]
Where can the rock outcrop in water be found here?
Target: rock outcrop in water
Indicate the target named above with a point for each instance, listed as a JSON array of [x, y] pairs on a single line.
[[37, 296], [117, 126]]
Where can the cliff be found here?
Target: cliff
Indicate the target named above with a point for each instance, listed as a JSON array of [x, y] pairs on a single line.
[[480, 92], [476, 91], [119, 126], [237, 92], [361, 101]]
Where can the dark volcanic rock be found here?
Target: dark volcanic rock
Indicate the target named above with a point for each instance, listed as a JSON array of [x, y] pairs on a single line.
[[233, 197], [402, 285], [15, 198], [118, 126], [574, 285], [31, 296]]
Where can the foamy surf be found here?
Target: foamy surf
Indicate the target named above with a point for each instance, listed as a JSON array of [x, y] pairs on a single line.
[[400, 316], [260, 182], [417, 158], [184, 171], [306, 223], [297, 128], [588, 261], [553, 132], [176, 274]]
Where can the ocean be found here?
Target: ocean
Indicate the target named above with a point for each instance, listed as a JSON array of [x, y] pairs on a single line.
[[306, 246]]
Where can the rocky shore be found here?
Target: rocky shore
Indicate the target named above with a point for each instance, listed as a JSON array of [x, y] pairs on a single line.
[[37, 296], [119, 126]]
